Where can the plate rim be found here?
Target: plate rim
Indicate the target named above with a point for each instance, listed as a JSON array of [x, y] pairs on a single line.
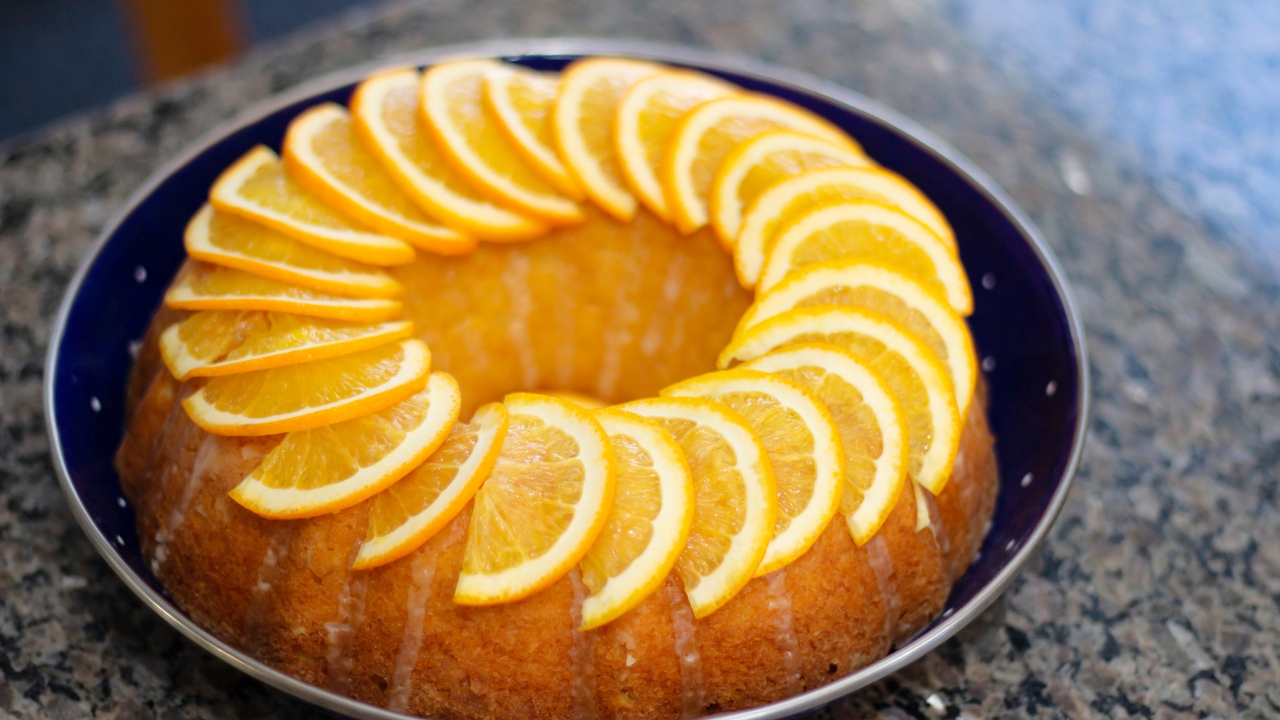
[[795, 80]]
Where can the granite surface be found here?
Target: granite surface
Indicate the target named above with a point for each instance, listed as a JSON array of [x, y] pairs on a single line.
[[1190, 89], [1157, 592]]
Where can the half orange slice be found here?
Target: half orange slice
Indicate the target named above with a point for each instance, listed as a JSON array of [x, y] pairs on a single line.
[[322, 152], [917, 378], [257, 187], [863, 231], [646, 117], [544, 504], [231, 241], [202, 286], [412, 510], [224, 342], [386, 111], [472, 139], [521, 102], [781, 204], [870, 420], [583, 120], [649, 522], [709, 132], [311, 394], [327, 469], [735, 496]]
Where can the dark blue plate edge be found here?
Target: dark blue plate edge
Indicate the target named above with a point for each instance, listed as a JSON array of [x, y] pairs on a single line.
[[797, 81]]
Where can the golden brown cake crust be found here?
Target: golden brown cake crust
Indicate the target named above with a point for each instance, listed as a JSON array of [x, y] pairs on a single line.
[[283, 590], [215, 557]]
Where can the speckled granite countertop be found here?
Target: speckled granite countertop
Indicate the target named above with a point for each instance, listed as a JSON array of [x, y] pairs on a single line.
[[1156, 593]]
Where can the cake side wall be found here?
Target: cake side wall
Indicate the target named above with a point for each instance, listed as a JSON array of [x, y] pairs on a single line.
[[284, 592]]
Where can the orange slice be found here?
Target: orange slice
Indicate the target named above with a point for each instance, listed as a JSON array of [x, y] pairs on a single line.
[[415, 508], [763, 161], [323, 154], [231, 241], [781, 204], [645, 120], [843, 230], [917, 378], [257, 187], [803, 446], [582, 121], [386, 111], [224, 342], [735, 496], [885, 292], [544, 504], [330, 468], [521, 102], [649, 522], [586, 401], [871, 423], [706, 134], [453, 105], [311, 394], [201, 286]]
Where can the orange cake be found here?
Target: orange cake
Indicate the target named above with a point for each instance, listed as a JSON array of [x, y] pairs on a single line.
[[618, 392]]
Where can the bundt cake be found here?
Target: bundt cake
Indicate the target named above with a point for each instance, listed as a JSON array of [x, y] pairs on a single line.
[[617, 392]]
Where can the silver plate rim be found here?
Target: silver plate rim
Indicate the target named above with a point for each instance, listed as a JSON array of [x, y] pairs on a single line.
[[661, 52]]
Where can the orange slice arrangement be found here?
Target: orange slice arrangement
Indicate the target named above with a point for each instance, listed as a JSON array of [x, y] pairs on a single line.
[[322, 152], [735, 496], [649, 523], [224, 239], [386, 109], [803, 446], [760, 162], [646, 118], [203, 286], [326, 469], [226, 342], [312, 394], [257, 187], [912, 372], [850, 374], [521, 102], [452, 99], [709, 132], [583, 121], [546, 500]]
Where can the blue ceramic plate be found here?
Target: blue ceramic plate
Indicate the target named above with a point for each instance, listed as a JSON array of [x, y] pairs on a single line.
[[1026, 327]]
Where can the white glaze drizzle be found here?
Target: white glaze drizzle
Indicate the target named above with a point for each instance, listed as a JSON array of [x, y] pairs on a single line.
[[423, 572], [268, 572], [566, 347], [206, 455], [516, 280], [653, 339], [940, 536], [582, 653], [686, 647], [882, 568], [784, 629], [342, 633], [617, 335], [175, 423]]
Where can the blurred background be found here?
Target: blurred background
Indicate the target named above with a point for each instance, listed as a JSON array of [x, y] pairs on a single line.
[[1190, 89]]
